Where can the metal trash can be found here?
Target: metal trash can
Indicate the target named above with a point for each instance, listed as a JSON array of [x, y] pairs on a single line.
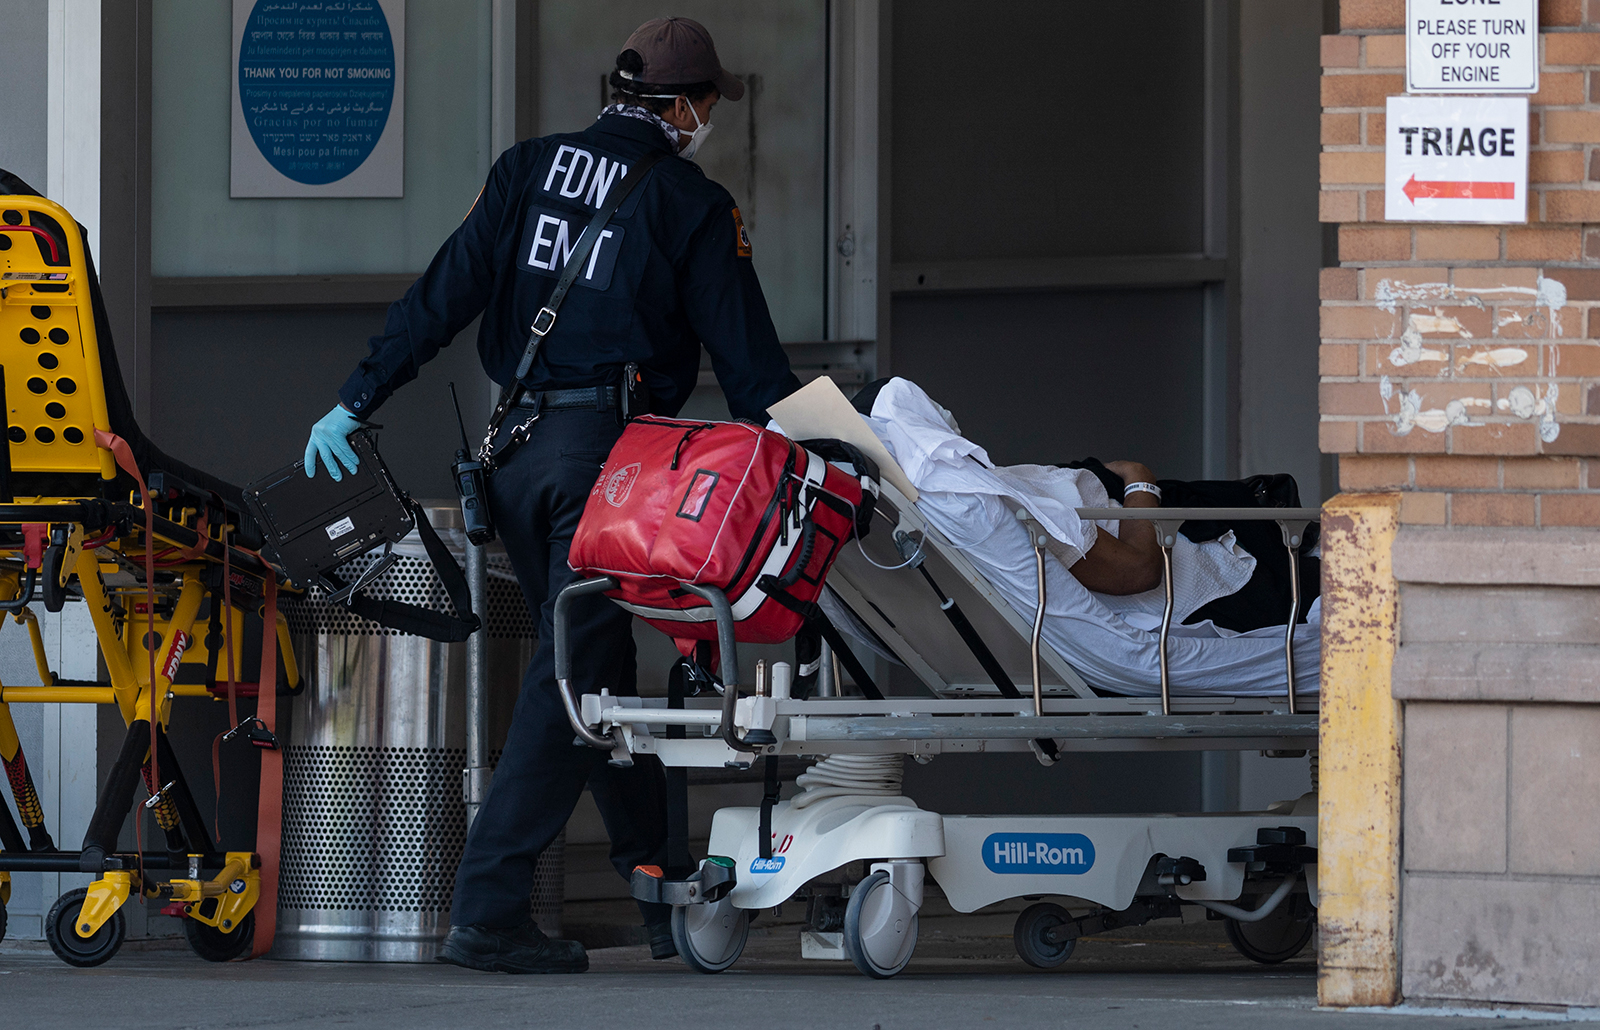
[[373, 816]]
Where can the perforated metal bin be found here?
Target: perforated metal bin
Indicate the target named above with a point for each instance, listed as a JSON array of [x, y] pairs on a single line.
[[373, 816]]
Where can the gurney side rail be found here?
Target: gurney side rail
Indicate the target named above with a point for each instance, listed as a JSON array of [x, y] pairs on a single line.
[[1028, 727], [1291, 522], [727, 649]]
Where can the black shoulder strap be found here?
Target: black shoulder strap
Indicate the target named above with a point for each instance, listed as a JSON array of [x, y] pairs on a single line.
[[415, 620], [546, 318]]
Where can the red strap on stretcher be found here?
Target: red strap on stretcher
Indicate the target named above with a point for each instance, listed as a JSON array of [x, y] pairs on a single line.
[[269, 809], [202, 526], [33, 538]]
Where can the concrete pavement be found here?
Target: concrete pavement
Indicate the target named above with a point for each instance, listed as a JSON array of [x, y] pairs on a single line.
[[965, 974]]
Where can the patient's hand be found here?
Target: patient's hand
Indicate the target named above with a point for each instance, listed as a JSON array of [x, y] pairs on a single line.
[[1130, 562], [1131, 472]]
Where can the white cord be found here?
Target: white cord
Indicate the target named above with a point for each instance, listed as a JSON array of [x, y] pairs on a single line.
[[916, 555], [850, 775], [1262, 911]]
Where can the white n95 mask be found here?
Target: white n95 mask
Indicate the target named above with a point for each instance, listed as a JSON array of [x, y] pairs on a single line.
[[701, 132]]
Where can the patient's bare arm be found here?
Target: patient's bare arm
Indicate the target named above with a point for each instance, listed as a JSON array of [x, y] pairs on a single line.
[[1129, 563]]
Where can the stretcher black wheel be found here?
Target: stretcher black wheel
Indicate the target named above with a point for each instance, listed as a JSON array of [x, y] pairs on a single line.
[[1030, 936], [55, 595], [1280, 936], [216, 945], [63, 939], [880, 928], [710, 937]]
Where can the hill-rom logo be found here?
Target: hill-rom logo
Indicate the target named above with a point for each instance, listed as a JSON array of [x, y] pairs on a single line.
[[1059, 853]]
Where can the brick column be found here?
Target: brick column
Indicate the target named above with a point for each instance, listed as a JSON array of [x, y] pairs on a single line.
[[1457, 364], [1460, 370]]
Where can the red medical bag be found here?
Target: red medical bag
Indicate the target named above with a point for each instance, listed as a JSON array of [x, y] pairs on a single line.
[[721, 504]]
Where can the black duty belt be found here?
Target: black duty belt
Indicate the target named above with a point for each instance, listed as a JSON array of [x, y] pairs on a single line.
[[595, 398]]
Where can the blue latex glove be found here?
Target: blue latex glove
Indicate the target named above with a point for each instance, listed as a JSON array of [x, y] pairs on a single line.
[[329, 440]]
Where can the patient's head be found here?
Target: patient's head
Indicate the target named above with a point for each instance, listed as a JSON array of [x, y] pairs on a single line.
[[864, 398]]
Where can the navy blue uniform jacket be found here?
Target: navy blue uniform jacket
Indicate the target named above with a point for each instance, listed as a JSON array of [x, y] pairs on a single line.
[[672, 271]]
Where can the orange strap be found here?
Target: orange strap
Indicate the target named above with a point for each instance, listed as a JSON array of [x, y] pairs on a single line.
[[202, 526], [269, 817], [124, 454]]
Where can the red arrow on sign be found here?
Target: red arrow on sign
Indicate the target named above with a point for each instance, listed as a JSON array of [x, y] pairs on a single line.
[[1459, 190]]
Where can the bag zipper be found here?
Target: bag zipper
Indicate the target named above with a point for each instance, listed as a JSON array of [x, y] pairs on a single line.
[[766, 519], [677, 452]]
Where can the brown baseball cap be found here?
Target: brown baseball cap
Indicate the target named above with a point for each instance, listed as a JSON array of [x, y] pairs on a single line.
[[679, 52]]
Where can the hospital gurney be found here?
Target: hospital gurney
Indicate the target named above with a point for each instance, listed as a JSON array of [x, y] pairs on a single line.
[[927, 605], [165, 559]]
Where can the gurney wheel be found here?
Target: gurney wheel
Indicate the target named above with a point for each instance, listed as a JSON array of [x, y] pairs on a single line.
[[55, 595], [710, 937], [880, 927], [75, 950], [214, 945], [1034, 947], [1280, 936]]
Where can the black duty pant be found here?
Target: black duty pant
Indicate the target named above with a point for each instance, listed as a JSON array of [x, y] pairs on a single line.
[[537, 498]]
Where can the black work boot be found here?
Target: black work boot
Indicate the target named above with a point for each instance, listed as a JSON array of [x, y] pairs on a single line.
[[661, 945], [518, 949]]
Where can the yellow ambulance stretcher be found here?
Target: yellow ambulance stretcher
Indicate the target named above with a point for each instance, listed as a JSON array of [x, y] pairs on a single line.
[[166, 559]]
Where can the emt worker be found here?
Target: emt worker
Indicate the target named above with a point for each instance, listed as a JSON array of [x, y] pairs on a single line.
[[671, 272]]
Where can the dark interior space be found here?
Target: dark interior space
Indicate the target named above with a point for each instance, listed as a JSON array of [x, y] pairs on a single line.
[[1062, 375]]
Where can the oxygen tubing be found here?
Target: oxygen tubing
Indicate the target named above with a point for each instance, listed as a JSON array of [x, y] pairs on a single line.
[[850, 775]]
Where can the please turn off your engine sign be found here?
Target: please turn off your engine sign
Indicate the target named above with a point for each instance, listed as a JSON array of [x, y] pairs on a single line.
[[1472, 46], [1456, 159]]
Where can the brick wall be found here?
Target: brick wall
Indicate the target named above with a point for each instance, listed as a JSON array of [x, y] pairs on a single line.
[[1460, 367], [1460, 364]]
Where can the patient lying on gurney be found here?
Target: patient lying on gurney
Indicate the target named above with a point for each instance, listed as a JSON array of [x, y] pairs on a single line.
[[1104, 592]]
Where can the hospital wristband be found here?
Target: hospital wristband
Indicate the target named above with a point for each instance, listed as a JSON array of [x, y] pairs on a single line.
[[1141, 488]]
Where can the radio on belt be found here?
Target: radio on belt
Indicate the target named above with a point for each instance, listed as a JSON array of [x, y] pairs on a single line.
[[313, 526]]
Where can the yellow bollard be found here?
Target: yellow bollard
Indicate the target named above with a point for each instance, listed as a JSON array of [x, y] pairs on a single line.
[[1358, 818]]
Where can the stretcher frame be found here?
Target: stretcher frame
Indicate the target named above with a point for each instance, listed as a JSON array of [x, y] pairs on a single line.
[[965, 714], [1161, 862], [71, 535], [1159, 866]]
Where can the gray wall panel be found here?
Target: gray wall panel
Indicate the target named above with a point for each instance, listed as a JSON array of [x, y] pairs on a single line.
[[236, 392], [198, 230], [1280, 239], [1050, 377], [23, 66], [1041, 129]]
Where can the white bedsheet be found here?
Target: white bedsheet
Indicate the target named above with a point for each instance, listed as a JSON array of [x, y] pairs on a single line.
[[1102, 637]]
